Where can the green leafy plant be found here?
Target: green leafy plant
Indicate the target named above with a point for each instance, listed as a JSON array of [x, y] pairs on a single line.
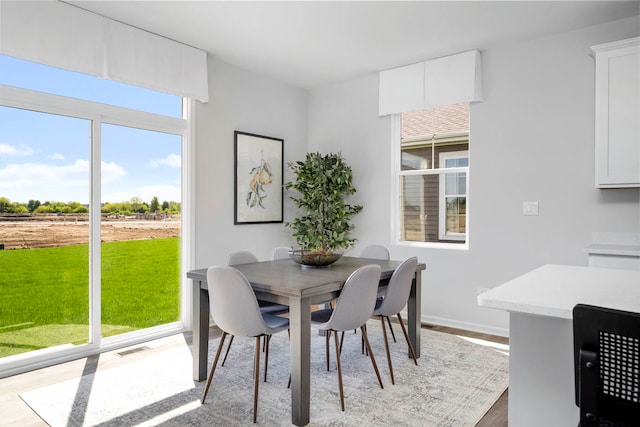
[[323, 183]]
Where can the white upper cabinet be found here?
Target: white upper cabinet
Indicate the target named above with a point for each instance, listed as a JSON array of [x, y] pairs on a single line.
[[617, 126]]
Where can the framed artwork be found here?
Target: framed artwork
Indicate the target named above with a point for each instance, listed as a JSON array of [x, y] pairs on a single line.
[[258, 190]]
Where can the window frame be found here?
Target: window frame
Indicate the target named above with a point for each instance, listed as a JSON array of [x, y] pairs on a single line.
[[396, 176], [98, 114], [442, 199]]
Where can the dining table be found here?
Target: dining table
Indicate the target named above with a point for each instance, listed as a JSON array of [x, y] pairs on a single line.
[[286, 282]]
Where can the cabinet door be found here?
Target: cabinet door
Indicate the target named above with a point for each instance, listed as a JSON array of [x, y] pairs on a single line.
[[617, 130]]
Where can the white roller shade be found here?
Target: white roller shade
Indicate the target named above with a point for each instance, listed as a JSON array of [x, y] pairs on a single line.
[[64, 36], [437, 82]]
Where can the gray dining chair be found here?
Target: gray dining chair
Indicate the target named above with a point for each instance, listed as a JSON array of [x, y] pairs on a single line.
[[246, 257], [354, 307], [393, 301], [235, 310], [378, 252], [280, 252], [375, 252]]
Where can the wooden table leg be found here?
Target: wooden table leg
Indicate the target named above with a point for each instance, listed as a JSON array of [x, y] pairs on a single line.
[[200, 320], [415, 313], [300, 326]]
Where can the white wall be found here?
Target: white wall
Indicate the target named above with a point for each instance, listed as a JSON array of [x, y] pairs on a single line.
[[244, 101], [531, 139]]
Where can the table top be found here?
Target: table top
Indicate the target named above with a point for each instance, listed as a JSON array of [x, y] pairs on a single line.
[[553, 290], [286, 278]]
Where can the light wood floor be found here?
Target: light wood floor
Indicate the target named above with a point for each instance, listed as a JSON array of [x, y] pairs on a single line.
[[16, 413]]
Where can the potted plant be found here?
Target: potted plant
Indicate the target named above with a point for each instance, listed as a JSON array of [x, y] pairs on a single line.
[[322, 183]]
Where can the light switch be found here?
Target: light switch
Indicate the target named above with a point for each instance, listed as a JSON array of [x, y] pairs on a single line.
[[530, 208]]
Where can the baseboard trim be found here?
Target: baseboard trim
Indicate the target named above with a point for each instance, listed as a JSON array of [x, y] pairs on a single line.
[[467, 326]]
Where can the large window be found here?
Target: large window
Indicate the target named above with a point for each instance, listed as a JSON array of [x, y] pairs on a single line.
[[433, 176], [90, 215]]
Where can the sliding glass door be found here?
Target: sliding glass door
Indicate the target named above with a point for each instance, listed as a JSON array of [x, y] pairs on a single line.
[[90, 215], [140, 229], [44, 231]]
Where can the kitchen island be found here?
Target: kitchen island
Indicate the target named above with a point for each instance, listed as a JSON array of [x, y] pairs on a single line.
[[540, 305]]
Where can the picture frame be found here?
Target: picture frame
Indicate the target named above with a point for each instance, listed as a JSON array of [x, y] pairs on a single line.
[[258, 174]]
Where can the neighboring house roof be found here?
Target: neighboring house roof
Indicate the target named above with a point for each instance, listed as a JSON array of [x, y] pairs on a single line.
[[441, 120]]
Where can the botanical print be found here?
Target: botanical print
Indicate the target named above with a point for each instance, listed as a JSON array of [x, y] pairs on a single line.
[[261, 176], [258, 179]]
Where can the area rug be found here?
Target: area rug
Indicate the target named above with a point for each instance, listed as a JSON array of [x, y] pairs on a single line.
[[456, 381]]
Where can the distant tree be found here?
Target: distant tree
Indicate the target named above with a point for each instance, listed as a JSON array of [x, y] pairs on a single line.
[[136, 203], [20, 208], [123, 208], [42, 209], [174, 208], [32, 205], [81, 209], [154, 205], [165, 206], [4, 205]]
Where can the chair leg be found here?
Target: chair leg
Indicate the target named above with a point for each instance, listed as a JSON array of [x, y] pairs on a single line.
[[341, 340], [327, 335], [213, 367], [339, 371], [406, 336], [386, 347], [228, 348], [373, 360], [256, 379], [265, 348], [363, 349], [393, 335]]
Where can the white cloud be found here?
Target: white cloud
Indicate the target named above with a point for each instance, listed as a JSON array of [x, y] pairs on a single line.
[[172, 160], [56, 156], [12, 150], [40, 181], [112, 172]]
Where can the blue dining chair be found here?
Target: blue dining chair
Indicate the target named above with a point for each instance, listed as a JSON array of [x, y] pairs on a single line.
[[235, 310]]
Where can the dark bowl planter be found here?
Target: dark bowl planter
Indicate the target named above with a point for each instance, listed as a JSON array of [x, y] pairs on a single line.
[[309, 259]]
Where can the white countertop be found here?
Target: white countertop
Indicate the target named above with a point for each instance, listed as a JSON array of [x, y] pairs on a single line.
[[553, 290], [613, 249]]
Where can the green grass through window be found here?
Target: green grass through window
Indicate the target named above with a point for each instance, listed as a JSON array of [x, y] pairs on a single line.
[[44, 293]]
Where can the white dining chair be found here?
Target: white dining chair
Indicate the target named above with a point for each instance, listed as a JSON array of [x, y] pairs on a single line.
[[280, 252], [354, 307], [235, 310], [393, 301]]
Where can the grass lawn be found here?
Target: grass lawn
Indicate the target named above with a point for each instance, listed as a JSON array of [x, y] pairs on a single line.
[[44, 293]]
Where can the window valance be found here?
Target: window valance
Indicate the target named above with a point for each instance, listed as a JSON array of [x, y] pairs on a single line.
[[64, 36], [434, 83]]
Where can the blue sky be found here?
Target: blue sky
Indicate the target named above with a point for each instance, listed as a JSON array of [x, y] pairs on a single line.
[[46, 157]]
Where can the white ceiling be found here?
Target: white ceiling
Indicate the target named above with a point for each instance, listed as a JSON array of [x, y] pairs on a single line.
[[311, 44]]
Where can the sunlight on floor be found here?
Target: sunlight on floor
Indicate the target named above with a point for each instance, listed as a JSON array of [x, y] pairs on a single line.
[[171, 414], [500, 348]]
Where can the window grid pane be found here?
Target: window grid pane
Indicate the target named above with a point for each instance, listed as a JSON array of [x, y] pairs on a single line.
[[432, 200]]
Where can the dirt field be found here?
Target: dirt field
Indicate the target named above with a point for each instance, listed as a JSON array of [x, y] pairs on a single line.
[[49, 234]]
